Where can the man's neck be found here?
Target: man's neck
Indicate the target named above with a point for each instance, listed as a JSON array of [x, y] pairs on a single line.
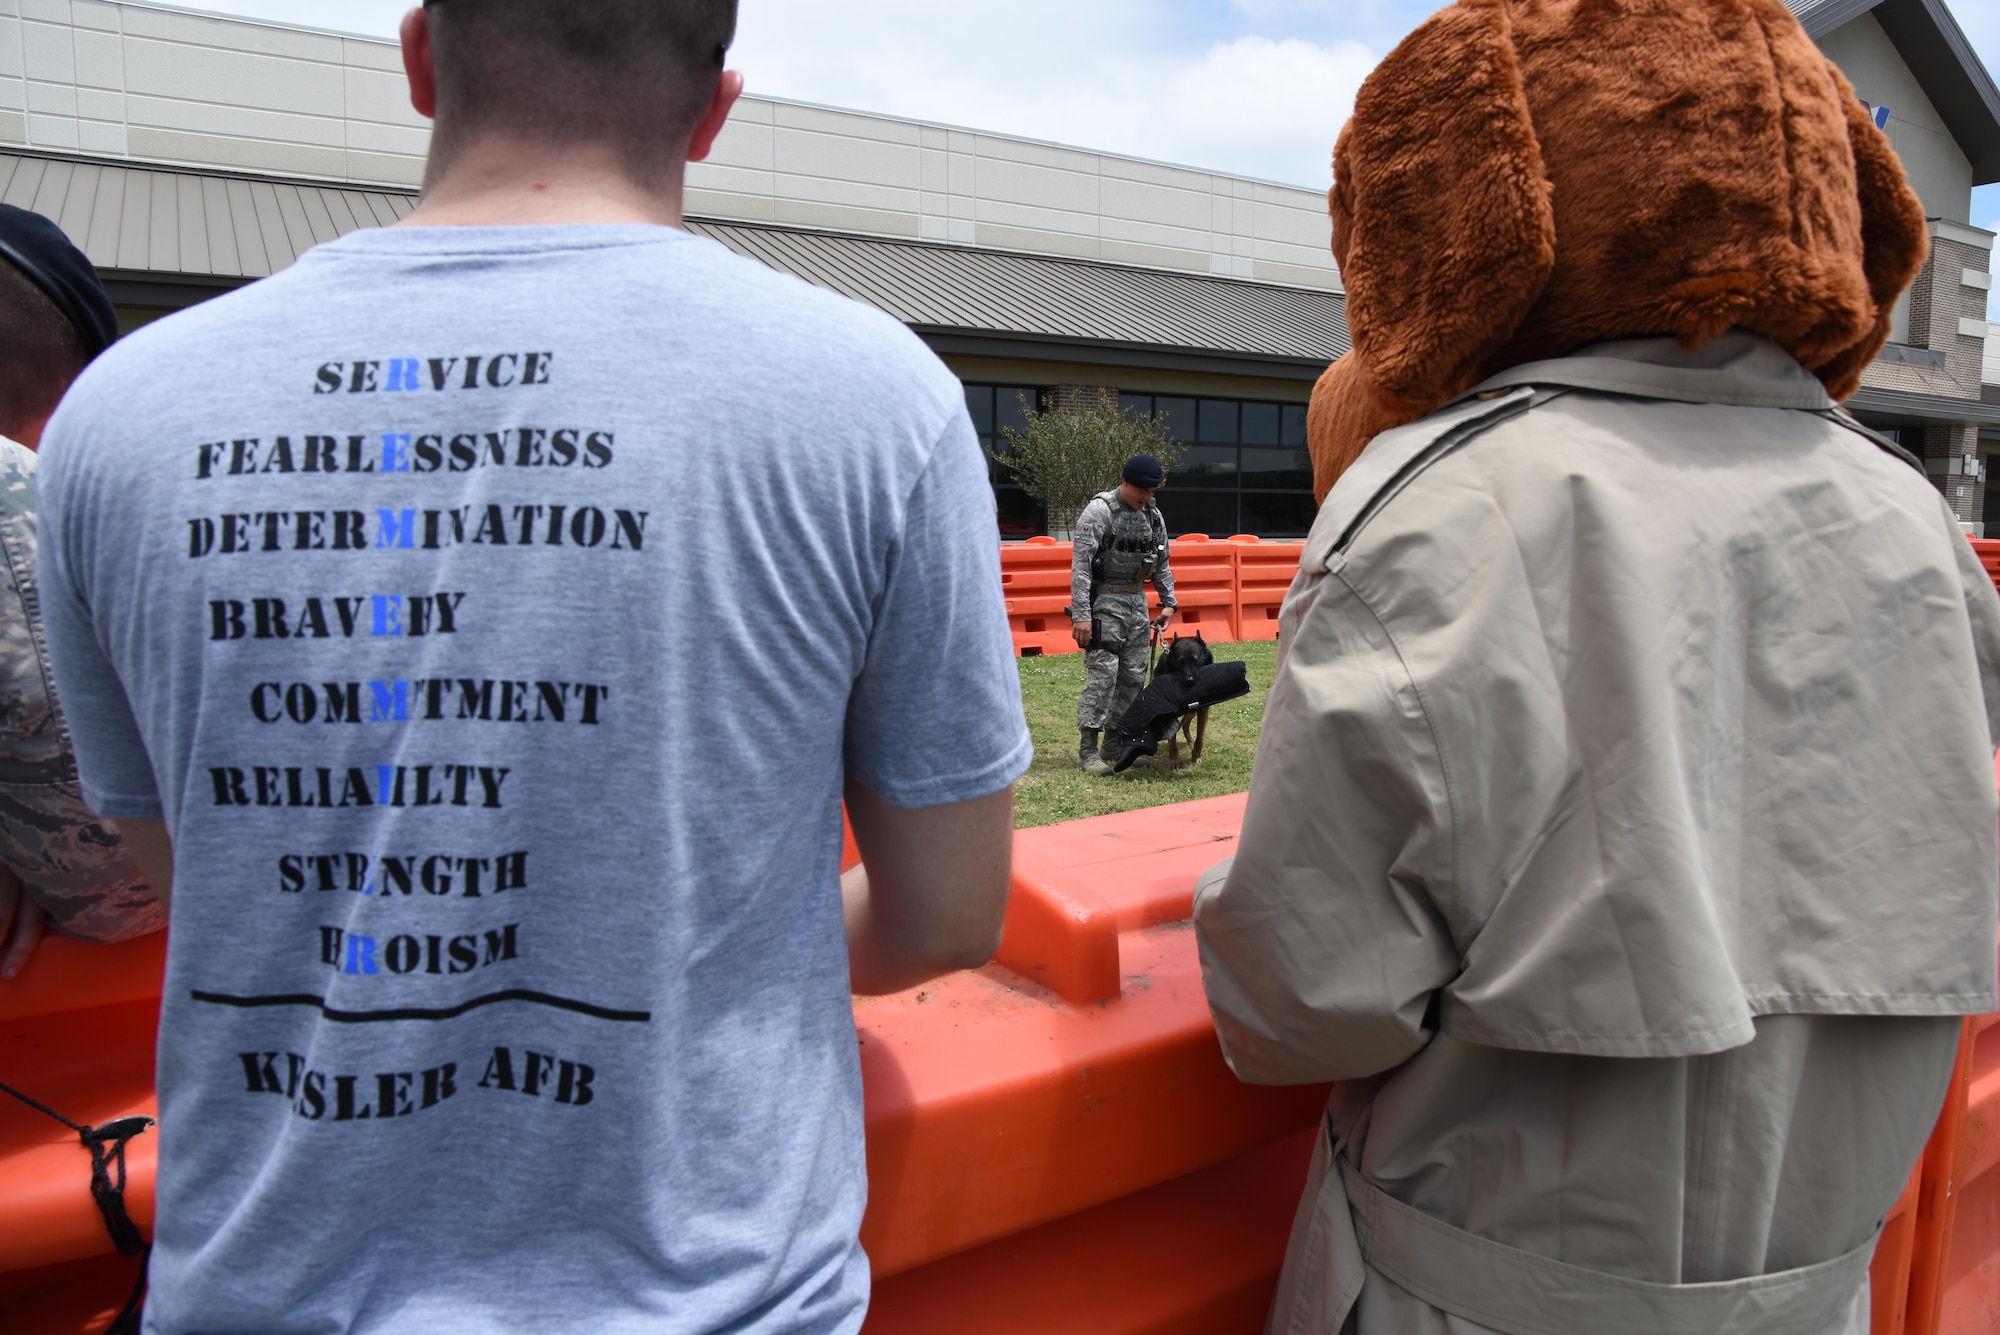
[[505, 181]]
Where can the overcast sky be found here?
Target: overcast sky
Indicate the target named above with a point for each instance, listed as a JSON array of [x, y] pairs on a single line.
[[1255, 87]]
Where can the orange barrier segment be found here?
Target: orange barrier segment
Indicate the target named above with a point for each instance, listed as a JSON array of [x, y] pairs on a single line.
[[996, 1102], [1989, 556], [1204, 587], [1195, 1256], [1034, 578], [1889, 1270], [1264, 570], [996, 1105]]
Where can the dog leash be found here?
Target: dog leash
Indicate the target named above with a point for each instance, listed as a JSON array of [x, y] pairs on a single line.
[[106, 1144]]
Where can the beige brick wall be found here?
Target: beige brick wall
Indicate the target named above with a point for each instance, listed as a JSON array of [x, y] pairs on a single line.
[[129, 80], [133, 80], [1947, 308], [787, 162], [1945, 450]]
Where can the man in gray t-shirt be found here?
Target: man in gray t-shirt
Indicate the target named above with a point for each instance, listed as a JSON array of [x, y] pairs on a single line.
[[478, 623]]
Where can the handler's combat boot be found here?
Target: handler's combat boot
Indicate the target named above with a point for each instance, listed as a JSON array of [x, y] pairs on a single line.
[[1087, 758]]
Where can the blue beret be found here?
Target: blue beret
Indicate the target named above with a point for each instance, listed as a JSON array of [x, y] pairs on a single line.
[[1144, 472], [38, 248]]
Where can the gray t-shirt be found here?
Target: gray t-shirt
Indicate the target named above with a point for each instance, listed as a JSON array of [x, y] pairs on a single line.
[[492, 614]]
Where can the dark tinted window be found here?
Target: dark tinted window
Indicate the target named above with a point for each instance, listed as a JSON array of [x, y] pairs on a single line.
[[1218, 420], [1293, 431], [1179, 416], [1210, 512], [979, 403], [1007, 408], [1260, 424], [1276, 468], [1205, 466], [1136, 405], [1277, 514]]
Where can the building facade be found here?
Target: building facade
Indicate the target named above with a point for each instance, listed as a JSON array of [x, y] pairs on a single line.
[[189, 153]]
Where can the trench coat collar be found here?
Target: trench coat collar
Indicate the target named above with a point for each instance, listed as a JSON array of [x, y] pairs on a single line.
[[1738, 368]]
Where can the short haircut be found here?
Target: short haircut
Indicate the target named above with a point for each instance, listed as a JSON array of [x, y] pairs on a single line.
[[40, 353], [634, 74]]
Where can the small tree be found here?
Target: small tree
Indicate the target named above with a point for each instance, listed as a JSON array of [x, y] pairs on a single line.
[[1069, 454]]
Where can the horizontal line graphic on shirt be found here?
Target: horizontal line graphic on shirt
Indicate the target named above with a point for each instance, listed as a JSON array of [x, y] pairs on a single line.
[[424, 1012]]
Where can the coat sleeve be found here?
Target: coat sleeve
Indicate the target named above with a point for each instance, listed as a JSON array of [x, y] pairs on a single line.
[[1982, 606], [1320, 943]]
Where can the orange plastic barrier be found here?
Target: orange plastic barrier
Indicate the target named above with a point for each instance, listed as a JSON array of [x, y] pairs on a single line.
[[1070, 1099], [1264, 570], [1204, 587], [1034, 576], [1989, 556]]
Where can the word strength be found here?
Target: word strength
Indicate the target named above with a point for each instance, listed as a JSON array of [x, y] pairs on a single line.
[[358, 785], [431, 530], [440, 875], [404, 452]]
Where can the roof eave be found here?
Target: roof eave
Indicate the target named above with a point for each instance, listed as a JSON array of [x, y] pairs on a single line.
[[1935, 48]]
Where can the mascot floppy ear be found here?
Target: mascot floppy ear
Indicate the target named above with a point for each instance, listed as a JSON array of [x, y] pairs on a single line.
[[1894, 239], [1441, 225]]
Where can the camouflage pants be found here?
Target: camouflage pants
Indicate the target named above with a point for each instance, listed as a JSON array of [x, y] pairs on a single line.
[[1111, 680]]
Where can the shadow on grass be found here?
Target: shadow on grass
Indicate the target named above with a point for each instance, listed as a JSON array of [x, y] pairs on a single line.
[[1055, 789]]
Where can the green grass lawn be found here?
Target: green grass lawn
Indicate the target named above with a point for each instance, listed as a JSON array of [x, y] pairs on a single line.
[[1055, 789]]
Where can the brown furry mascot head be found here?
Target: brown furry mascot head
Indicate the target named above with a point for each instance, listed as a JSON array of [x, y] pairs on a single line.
[[1523, 177]]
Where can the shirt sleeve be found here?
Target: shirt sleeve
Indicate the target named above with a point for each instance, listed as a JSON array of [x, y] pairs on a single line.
[[111, 755], [1163, 574], [69, 861], [1084, 540], [1321, 946], [935, 715]]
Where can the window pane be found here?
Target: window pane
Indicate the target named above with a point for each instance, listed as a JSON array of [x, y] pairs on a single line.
[[1007, 408], [1294, 430], [1178, 415], [1260, 424], [1210, 512], [1277, 514], [1218, 420], [1135, 405], [1205, 466], [979, 402], [1277, 468], [1021, 516]]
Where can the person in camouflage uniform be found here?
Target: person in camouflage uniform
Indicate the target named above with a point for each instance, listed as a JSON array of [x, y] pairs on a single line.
[[59, 863], [1120, 542]]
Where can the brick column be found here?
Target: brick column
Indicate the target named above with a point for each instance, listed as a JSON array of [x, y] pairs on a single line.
[[1063, 398], [1946, 449]]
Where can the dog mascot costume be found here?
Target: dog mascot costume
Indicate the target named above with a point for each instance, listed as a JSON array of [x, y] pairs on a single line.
[[1623, 833]]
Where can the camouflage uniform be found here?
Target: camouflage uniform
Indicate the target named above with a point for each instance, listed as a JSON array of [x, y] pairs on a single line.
[[71, 862], [1112, 680]]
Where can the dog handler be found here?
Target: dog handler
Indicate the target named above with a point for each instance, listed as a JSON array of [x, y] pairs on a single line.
[[421, 612], [1622, 839], [1119, 544]]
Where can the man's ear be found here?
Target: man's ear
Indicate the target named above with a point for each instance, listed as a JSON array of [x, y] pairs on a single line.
[[1895, 241], [416, 35], [715, 115]]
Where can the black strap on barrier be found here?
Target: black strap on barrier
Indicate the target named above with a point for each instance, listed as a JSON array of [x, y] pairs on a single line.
[[106, 1144]]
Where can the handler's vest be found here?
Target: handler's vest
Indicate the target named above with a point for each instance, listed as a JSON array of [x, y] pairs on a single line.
[[1129, 551]]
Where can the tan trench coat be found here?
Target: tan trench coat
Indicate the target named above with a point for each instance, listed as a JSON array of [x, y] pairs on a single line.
[[1623, 836]]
